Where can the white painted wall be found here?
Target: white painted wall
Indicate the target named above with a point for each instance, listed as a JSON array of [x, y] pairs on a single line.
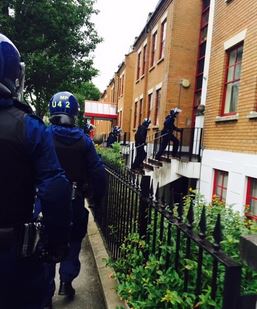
[[238, 165]]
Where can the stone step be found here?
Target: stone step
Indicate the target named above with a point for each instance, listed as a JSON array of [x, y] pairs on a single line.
[[148, 166], [165, 159], [154, 162]]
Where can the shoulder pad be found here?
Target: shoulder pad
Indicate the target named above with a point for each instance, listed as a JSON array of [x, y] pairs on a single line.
[[36, 117]]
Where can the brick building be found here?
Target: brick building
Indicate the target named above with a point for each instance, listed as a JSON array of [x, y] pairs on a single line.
[[125, 86], [165, 69], [103, 125], [229, 162], [200, 56]]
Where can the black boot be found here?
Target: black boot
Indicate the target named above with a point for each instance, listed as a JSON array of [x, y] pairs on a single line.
[[66, 289]]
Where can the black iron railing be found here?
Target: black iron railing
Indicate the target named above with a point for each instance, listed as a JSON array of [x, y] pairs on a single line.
[[120, 216], [190, 146], [132, 206]]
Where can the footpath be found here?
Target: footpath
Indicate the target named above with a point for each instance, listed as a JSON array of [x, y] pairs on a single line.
[[95, 286]]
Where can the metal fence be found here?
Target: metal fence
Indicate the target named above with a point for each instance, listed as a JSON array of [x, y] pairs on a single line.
[[190, 146], [133, 206]]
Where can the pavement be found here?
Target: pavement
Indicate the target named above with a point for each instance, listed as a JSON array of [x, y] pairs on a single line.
[[95, 286]]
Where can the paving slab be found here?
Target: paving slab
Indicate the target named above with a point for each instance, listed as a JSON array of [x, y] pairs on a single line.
[[106, 274], [89, 293]]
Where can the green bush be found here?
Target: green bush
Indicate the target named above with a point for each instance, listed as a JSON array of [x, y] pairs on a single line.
[[149, 283], [111, 156]]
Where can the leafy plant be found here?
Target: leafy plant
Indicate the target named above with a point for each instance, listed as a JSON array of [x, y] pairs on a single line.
[[111, 156], [148, 279]]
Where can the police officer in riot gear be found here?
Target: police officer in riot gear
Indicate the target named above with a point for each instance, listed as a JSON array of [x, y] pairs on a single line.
[[167, 134], [28, 162], [88, 128], [140, 142], [113, 136], [81, 163]]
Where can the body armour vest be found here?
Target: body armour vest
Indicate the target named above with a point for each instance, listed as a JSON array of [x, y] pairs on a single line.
[[72, 159], [16, 170]]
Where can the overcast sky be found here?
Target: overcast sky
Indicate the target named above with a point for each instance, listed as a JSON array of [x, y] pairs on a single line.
[[118, 23]]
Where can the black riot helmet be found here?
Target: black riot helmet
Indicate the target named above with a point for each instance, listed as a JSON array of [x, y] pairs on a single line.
[[146, 122], [175, 111], [11, 69]]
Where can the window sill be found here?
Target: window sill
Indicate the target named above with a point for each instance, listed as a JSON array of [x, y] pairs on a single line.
[[160, 60], [251, 217], [151, 68], [252, 115], [227, 118], [142, 76], [155, 127], [137, 81]]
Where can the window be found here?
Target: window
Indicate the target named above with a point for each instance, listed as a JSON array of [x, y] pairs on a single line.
[[232, 80], [120, 118], [122, 84], [163, 37], [153, 49], [135, 116], [149, 105], [220, 184], [197, 99], [138, 65], [206, 3], [201, 54], [251, 196], [157, 106], [144, 60], [140, 111], [112, 94], [119, 86]]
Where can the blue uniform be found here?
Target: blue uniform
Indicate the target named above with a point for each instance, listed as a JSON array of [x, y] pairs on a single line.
[[93, 172], [23, 282]]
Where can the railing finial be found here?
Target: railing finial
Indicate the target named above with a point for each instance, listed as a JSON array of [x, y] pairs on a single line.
[[217, 233], [202, 224]]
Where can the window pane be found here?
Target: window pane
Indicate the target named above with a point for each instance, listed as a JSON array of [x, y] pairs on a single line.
[[200, 66], [239, 54], [231, 97], [232, 57], [254, 188], [203, 34], [224, 195], [219, 178], [253, 207], [234, 97], [197, 99], [238, 71], [218, 191], [205, 18], [225, 181], [202, 50], [206, 3], [199, 82], [230, 74], [228, 99]]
